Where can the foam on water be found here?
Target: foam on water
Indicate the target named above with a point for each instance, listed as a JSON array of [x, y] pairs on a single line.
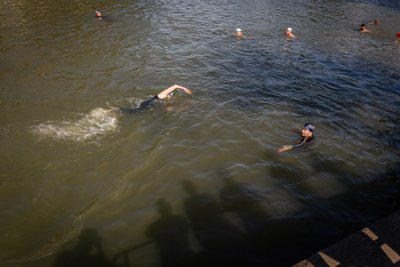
[[97, 123]]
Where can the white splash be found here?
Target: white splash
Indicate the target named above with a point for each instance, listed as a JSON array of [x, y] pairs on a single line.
[[97, 123]]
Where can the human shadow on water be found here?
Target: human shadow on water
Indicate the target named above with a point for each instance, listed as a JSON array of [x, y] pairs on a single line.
[[122, 259], [235, 197], [366, 200], [171, 235], [223, 243], [266, 235], [393, 174], [87, 253], [274, 241]]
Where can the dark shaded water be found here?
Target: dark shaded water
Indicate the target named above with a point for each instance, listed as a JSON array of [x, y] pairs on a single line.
[[76, 173]]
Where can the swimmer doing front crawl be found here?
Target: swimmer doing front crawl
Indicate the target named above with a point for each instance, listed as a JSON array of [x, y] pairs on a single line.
[[159, 98], [306, 136]]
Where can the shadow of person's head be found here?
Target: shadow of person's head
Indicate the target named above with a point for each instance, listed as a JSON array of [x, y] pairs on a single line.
[[88, 252], [189, 187], [164, 208], [226, 177], [88, 238]]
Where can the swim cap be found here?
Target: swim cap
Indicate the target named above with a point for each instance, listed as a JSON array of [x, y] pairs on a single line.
[[309, 126], [289, 29], [398, 34], [238, 30]]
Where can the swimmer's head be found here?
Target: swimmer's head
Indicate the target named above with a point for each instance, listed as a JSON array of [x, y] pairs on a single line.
[[398, 34], [289, 29], [309, 126], [238, 30]]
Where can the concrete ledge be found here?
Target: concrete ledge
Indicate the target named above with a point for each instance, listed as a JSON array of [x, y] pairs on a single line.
[[377, 245]]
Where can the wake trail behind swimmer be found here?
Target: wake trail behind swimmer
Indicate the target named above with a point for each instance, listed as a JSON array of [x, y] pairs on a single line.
[[99, 122]]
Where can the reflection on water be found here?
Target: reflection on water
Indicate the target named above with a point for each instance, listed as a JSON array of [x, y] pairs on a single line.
[[70, 161]]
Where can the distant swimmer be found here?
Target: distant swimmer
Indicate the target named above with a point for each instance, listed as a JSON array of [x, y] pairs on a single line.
[[159, 98], [398, 38], [363, 28], [306, 137], [289, 33], [98, 14], [239, 33], [376, 21]]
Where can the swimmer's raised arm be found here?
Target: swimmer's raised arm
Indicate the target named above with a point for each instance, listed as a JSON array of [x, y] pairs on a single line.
[[165, 93]]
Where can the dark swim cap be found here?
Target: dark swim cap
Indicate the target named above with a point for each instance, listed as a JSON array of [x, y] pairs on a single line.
[[309, 126]]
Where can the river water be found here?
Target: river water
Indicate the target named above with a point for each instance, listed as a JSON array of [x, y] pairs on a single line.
[[74, 170]]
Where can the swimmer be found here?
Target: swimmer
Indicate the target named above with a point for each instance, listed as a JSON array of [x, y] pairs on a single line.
[[363, 28], [305, 137], [376, 21], [398, 38], [159, 98], [98, 14], [239, 33], [289, 33]]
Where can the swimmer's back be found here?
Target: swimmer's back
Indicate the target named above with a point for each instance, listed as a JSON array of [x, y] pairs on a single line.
[[144, 105]]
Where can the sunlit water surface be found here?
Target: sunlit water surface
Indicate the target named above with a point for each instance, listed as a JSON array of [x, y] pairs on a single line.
[[71, 160]]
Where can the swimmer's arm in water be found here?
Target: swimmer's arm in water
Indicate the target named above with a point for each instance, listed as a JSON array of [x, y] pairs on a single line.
[[287, 147], [284, 148], [165, 94]]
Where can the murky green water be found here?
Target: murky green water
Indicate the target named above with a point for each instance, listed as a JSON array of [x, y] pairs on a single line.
[[70, 161]]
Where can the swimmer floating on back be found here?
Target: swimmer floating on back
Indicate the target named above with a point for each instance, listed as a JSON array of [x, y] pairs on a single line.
[[306, 137], [159, 98]]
